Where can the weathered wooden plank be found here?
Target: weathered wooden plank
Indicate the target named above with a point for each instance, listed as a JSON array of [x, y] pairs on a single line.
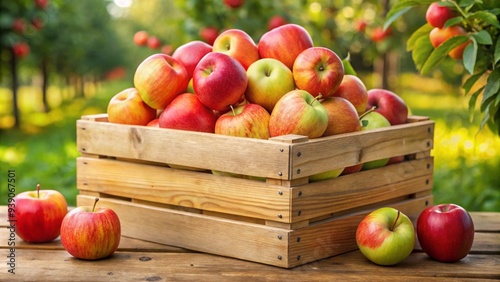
[[486, 221], [184, 188]]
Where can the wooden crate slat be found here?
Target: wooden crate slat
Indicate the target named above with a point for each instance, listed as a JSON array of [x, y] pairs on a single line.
[[365, 187], [240, 155], [338, 151], [184, 188], [198, 232]]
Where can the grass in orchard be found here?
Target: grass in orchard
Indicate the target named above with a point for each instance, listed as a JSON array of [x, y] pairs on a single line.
[[467, 160]]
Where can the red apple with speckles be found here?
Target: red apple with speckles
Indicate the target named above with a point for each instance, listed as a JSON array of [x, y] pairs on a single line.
[[91, 233], [388, 104], [38, 215], [445, 232], [186, 112], [353, 90], [386, 236], [191, 53], [237, 44]]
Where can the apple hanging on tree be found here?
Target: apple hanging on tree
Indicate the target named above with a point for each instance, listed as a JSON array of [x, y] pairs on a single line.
[[91, 233], [39, 215]]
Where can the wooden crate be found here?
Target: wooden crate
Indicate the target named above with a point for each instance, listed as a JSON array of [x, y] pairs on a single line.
[[279, 219]]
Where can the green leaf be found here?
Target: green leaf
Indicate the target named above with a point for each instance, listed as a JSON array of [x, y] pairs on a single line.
[[473, 99], [422, 51], [401, 7], [348, 68], [491, 89], [485, 119], [497, 52], [453, 21], [441, 52], [469, 56], [483, 37], [421, 31], [485, 16], [471, 81]]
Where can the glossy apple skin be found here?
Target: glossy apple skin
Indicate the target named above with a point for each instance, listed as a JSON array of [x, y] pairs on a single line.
[[375, 120], [284, 43], [127, 107], [237, 44], [379, 242], [248, 120], [298, 112], [91, 235], [437, 15], [445, 232], [437, 36], [186, 112], [219, 81], [318, 70], [159, 79], [342, 116], [388, 104], [354, 90], [38, 219], [190, 54], [268, 81]]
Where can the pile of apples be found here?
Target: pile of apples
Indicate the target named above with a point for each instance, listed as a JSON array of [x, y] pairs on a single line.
[[282, 85]]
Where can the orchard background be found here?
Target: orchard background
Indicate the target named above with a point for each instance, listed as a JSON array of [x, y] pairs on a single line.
[[58, 63]]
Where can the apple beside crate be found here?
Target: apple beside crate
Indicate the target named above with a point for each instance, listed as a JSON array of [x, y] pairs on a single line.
[[159, 182]]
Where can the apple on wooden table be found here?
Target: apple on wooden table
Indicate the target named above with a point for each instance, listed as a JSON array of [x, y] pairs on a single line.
[[445, 232], [39, 214], [268, 81], [91, 233], [127, 107], [386, 236], [318, 70]]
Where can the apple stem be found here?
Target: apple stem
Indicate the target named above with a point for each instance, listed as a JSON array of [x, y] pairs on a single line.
[[316, 99], [367, 112], [38, 190], [232, 109], [95, 203], [395, 221]]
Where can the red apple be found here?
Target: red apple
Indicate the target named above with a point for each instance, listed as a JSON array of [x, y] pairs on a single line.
[[209, 34], [248, 120], [298, 112], [167, 49], [318, 70], [21, 49], [438, 36], [268, 81], [37, 23], [154, 42], [159, 79], [19, 25], [42, 4], [285, 43], [352, 169], [186, 112], [388, 104], [276, 21], [437, 15], [342, 116], [237, 44], [141, 38], [38, 215], [234, 3], [127, 107], [219, 81], [379, 34], [191, 53], [154, 123], [91, 233], [354, 90], [360, 25], [445, 232]]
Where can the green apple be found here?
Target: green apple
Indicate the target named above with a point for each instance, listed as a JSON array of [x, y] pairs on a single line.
[[298, 112], [268, 80], [386, 236], [373, 120]]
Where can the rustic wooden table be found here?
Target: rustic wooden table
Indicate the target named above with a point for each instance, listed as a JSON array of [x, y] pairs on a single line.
[[138, 260]]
